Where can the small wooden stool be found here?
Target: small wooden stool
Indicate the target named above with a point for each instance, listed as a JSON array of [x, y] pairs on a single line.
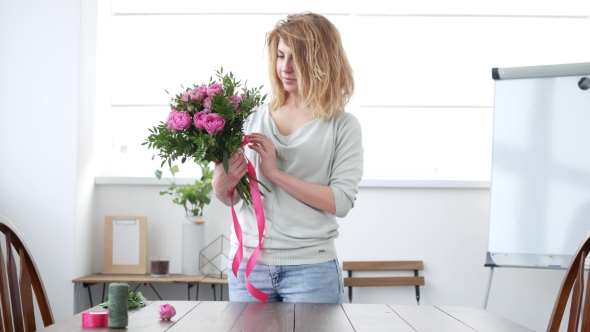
[[351, 281]]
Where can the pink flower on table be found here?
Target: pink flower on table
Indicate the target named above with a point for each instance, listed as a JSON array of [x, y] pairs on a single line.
[[166, 311], [234, 100], [214, 89], [207, 102], [200, 117], [213, 123], [178, 120]]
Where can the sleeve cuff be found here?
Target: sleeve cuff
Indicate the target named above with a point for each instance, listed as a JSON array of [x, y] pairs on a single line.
[[343, 203]]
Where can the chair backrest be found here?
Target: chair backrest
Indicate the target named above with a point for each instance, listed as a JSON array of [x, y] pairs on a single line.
[[574, 278], [16, 296], [415, 266]]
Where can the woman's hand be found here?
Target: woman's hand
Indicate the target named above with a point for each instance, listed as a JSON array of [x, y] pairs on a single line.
[[268, 156], [223, 182]]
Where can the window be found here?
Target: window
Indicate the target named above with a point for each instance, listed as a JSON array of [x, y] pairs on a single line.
[[423, 72]]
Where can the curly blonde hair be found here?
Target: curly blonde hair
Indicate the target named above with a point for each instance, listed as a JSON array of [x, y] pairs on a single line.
[[324, 76]]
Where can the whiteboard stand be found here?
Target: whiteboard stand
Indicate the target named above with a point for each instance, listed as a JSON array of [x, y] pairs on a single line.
[[485, 300], [540, 181], [489, 263], [515, 260]]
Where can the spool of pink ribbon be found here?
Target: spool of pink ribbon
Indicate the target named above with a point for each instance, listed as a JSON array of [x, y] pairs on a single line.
[[95, 319]]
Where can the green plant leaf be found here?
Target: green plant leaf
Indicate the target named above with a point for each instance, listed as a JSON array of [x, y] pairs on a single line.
[[174, 170], [134, 300]]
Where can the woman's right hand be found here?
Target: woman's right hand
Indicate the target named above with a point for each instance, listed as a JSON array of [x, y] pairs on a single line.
[[223, 182]]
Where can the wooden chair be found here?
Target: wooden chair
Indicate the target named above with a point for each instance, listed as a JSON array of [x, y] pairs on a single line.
[[351, 281], [574, 277], [16, 297]]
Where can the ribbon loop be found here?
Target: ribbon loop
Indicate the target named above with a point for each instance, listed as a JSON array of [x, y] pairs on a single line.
[[259, 211]]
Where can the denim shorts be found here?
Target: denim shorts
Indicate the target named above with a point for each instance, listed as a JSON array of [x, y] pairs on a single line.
[[309, 283]]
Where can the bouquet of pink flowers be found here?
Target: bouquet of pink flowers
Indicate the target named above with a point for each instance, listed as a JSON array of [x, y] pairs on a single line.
[[206, 124]]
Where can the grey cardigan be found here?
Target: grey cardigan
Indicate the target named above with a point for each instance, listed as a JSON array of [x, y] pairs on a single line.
[[329, 153]]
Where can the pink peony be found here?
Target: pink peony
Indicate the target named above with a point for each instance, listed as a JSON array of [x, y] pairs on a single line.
[[200, 117], [214, 89], [178, 120], [167, 311], [203, 90], [169, 119], [196, 94], [234, 100], [213, 123], [207, 102]]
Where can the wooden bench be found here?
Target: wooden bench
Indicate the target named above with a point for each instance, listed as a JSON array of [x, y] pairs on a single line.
[[351, 281]]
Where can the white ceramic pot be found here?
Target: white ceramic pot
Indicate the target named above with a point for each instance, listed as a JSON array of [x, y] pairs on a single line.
[[193, 241]]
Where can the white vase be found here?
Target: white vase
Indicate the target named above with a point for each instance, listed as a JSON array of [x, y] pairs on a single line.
[[193, 241]]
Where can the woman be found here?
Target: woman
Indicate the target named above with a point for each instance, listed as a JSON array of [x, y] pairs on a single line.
[[310, 155]]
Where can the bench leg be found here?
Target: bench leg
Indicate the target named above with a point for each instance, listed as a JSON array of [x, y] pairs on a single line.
[[350, 288], [417, 288]]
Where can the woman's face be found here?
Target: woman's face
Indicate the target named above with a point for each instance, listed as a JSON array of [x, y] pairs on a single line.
[[286, 67]]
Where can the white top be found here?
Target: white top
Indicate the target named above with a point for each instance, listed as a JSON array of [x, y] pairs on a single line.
[[328, 153]]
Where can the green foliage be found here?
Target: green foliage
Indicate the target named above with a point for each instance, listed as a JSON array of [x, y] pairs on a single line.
[[192, 197], [135, 300], [197, 144]]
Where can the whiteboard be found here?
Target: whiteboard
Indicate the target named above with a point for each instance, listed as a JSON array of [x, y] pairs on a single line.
[[540, 184]]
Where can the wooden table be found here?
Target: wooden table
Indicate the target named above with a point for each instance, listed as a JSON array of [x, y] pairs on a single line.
[[278, 317], [147, 279]]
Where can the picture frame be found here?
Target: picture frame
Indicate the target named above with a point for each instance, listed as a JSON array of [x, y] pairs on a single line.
[[125, 242]]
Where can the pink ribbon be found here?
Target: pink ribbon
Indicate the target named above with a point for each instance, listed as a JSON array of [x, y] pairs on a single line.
[[259, 211], [95, 319]]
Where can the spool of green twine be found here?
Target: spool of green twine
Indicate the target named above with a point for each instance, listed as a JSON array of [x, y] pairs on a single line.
[[118, 298]]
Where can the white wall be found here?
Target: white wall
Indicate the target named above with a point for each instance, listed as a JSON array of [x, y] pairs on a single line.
[[85, 149], [39, 77]]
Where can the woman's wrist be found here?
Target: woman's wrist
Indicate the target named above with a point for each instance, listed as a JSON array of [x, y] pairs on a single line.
[[274, 177], [225, 197], [221, 193]]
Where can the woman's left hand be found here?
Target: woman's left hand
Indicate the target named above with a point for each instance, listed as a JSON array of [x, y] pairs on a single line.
[[268, 156]]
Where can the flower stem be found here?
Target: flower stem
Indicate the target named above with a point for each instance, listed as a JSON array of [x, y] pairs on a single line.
[[260, 183]]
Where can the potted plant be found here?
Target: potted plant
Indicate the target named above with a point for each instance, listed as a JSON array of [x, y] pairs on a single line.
[[193, 198]]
